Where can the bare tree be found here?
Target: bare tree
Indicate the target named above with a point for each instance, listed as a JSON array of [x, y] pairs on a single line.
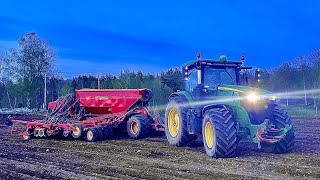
[[304, 67], [33, 58], [315, 60]]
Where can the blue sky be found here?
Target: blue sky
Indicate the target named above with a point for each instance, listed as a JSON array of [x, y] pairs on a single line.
[[110, 36]]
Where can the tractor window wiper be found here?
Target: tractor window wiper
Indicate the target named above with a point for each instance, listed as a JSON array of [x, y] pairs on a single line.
[[229, 74]]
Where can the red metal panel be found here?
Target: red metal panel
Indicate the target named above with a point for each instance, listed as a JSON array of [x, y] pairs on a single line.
[[108, 101]]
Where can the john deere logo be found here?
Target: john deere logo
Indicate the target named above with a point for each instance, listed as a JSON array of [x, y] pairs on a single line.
[[102, 98]]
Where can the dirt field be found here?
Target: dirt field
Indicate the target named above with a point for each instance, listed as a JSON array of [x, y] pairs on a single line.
[[153, 158]]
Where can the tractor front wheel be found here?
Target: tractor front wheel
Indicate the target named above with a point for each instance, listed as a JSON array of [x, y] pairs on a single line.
[[219, 133], [175, 123], [281, 119]]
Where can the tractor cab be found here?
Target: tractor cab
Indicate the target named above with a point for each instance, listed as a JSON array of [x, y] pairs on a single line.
[[203, 77]]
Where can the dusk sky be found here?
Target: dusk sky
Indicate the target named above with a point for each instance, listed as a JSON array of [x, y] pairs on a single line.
[[152, 36]]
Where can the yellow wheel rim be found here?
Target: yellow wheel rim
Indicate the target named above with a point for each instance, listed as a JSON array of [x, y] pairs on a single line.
[[76, 131], [134, 128], [173, 122], [209, 134], [25, 136], [89, 135]]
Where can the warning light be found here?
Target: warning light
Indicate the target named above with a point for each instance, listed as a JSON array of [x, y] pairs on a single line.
[[198, 55], [243, 58]]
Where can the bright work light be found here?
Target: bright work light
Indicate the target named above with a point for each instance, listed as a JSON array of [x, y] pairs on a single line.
[[252, 97]]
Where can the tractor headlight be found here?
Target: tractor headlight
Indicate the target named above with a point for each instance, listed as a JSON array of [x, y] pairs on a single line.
[[253, 97]]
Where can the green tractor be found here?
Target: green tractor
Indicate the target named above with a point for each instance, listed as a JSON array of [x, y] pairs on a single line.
[[219, 105]]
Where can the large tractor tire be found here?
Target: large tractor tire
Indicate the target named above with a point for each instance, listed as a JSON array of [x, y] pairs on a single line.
[[281, 120], [219, 133], [175, 123], [138, 126]]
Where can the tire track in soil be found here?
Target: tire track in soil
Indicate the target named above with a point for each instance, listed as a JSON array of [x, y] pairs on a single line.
[[131, 159], [58, 164], [153, 158]]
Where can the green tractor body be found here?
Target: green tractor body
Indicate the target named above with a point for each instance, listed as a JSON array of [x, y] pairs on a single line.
[[219, 105]]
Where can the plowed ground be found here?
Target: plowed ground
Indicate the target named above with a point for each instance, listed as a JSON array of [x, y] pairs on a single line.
[[154, 158]]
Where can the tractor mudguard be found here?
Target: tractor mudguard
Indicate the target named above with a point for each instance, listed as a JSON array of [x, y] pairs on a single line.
[[212, 106], [183, 94]]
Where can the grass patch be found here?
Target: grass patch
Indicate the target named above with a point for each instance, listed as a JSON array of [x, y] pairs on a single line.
[[301, 111]]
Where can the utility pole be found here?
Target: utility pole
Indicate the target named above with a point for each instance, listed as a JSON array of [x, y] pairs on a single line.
[[45, 92], [99, 81]]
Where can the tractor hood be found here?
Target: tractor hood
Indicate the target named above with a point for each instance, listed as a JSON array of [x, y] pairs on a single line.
[[243, 89]]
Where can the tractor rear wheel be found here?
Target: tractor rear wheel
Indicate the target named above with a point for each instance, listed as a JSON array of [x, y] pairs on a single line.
[[281, 120], [219, 133], [138, 126], [92, 135], [175, 124]]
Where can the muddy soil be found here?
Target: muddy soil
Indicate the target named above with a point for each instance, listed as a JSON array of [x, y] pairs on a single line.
[[154, 158], [5, 119]]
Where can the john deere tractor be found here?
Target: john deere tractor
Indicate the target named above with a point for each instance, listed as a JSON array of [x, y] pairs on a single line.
[[218, 105]]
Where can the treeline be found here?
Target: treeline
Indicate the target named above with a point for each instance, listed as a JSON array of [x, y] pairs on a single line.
[[162, 85], [301, 75], [24, 69]]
